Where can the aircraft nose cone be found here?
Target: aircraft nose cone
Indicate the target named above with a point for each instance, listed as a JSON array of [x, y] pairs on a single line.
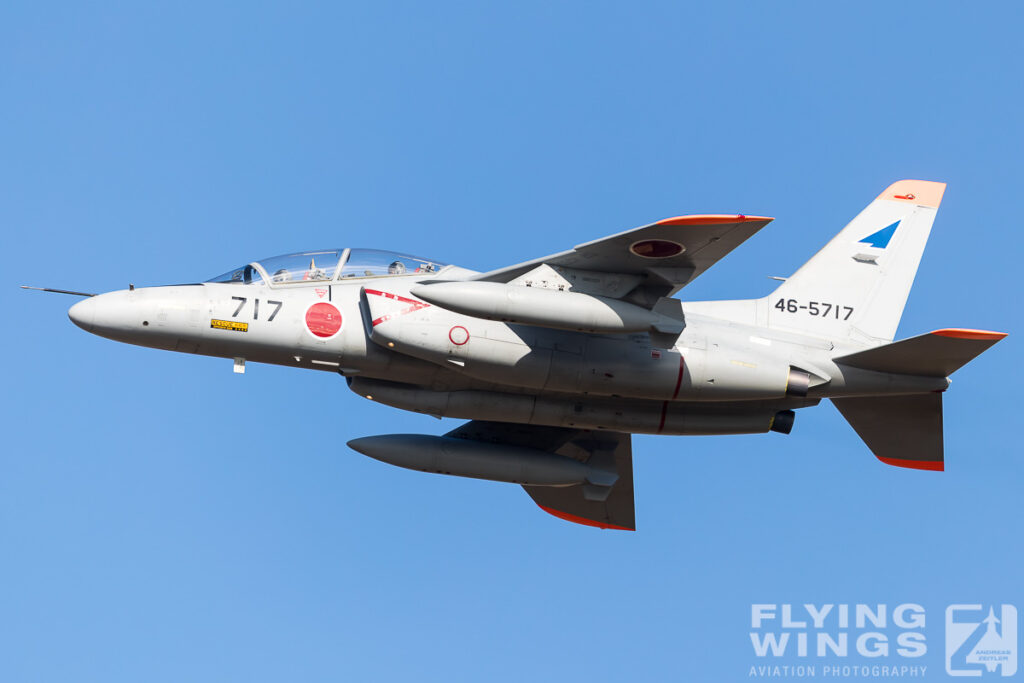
[[113, 315], [158, 317], [83, 313]]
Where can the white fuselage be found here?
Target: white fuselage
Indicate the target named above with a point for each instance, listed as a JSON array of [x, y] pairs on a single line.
[[719, 377]]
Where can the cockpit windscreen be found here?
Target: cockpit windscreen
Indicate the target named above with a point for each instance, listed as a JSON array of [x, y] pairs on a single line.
[[329, 265], [374, 263], [305, 266], [242, 275]]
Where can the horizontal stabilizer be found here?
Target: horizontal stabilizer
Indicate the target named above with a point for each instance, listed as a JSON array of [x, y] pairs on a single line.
[[905, 431], [936, 354]]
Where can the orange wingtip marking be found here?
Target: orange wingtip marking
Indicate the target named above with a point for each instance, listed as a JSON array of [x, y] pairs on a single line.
[[581, 520], [711, 219], [923, 192], [970, 334], [932, 465]]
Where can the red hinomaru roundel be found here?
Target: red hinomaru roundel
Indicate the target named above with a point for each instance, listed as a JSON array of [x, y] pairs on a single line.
[[323, 319]]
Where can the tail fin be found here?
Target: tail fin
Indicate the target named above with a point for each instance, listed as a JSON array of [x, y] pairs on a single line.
[[904, 431], [857, 285]]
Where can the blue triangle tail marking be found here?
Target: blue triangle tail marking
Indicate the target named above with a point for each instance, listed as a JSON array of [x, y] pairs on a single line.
[[881, 238]]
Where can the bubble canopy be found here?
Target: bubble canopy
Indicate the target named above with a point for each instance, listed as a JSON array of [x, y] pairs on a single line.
[[328, 265]]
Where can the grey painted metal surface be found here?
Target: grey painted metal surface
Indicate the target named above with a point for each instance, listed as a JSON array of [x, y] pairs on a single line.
[[481, 460], [558, 360]]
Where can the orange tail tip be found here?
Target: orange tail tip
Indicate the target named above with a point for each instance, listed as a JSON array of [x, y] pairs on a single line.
[[931, 465], [970, 334], [921, 192], [582, 520]]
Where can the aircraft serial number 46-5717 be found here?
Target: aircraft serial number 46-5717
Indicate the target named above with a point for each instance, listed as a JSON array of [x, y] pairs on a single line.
[[556, 361]]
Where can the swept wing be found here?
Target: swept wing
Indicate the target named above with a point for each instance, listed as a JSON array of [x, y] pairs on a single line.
[[608, 507], [661, 257]]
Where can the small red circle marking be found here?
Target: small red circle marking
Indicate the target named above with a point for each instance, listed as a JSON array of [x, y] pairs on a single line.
[[458, 335], [323, 320]]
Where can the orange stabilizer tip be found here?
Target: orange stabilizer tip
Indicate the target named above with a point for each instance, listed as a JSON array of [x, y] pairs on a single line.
[[932, 465], [711, 219], [575, 519], [921, 192], [970, 334]]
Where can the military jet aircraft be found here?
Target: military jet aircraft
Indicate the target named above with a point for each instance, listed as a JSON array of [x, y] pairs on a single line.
[[556, 361]]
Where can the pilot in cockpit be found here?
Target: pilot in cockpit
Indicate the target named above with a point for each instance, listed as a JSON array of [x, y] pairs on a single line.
[[314, 273], [396, 268]]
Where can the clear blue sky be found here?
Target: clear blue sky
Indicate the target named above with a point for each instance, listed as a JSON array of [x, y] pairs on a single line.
[[162, 519]]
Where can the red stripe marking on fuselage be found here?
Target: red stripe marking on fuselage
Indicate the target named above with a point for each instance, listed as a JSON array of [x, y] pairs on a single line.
[[416, 305], [664, 411], [679, 384], [389, 295], [679, 378]]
